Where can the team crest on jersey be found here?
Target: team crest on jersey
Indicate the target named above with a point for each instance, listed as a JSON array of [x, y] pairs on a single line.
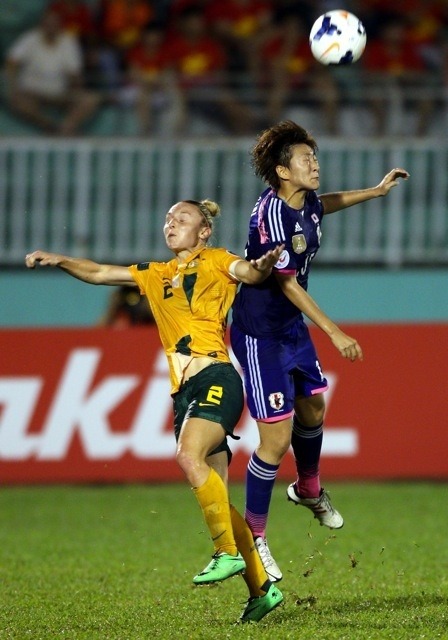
[[299, 243], [277, 400]]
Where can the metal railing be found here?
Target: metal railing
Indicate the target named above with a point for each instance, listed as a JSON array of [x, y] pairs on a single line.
[[107, 198]]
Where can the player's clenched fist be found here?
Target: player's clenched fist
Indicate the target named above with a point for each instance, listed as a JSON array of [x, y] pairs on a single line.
[[43, 258]]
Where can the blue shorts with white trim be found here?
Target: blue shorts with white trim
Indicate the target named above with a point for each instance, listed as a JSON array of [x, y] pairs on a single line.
[[276, 370]]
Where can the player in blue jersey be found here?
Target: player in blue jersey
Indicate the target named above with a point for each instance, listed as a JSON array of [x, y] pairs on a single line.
[[283, 378]]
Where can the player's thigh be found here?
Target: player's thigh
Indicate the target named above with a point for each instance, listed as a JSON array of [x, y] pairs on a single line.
[[269, 385], [215, 396], [199, 437]]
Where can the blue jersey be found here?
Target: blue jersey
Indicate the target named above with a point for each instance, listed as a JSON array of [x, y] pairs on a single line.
[[263, 310]]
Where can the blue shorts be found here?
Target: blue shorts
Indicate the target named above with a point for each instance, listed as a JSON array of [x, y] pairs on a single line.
[[277, 370]]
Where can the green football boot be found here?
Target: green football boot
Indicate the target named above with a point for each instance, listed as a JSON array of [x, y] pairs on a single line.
[[221, 567], [258, 607]]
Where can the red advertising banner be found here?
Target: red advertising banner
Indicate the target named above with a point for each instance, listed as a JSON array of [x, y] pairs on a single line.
[[93, 405]]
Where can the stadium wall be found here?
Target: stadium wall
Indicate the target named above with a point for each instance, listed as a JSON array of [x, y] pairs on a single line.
[[91, 405], [48, 298], [81, 404]]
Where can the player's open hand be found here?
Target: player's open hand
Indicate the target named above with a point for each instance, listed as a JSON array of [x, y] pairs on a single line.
[[392, 180], [43, 258], [269, 259]]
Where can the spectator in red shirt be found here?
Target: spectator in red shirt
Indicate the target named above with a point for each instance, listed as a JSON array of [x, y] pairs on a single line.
[[398, 73], [293, 77], [76, 17], [199, 63], [426, 30], [122, 21], [151, 84], [120, 25], [242, 26]]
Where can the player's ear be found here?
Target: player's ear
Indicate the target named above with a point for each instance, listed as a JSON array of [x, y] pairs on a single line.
[[205, 233], [282, 172]]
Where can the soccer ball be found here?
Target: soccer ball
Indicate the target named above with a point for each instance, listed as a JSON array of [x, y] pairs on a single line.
[[337, 37]]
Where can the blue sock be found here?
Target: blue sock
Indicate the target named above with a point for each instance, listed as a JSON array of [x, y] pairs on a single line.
[[260, 479]]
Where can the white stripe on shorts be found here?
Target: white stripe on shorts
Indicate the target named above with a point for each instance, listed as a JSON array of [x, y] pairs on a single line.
[[255, 377]]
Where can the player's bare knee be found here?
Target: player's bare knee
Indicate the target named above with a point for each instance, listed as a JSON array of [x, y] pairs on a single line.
[[272, 450], [186, 460]]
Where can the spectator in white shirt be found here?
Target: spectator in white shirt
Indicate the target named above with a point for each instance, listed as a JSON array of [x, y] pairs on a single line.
[[44, 73]]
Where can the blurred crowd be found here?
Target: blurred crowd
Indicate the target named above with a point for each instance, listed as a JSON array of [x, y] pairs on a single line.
[[240, 63]]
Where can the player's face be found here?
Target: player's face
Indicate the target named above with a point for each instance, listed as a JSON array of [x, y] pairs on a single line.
[[303, 170], [184, 227]]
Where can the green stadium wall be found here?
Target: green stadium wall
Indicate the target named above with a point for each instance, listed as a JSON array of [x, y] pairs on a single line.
[[49, 298]]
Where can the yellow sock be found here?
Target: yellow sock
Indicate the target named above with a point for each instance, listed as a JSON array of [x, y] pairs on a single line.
[[214, 502], [254, 575]]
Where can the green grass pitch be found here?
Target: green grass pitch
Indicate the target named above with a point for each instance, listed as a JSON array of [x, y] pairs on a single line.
[[116, 562]]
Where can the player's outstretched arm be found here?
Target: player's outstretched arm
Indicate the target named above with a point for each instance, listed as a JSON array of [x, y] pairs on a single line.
[[255, 271], [81, 268], [347, 346], [342, 199]]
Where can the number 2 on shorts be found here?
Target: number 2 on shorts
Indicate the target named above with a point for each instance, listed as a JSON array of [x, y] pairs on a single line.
[[215, 394]]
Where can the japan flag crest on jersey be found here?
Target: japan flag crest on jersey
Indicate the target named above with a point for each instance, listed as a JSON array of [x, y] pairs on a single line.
[[277, 400]]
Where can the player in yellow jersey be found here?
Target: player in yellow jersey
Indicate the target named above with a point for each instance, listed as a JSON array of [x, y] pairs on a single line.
[[190, 297]]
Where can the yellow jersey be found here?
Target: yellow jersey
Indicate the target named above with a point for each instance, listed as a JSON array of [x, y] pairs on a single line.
[[190, 301]]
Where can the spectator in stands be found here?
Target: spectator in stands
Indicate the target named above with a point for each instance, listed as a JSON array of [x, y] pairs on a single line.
[[121, 24], [426, 30], [80, 19], [122, 21], [44, 79], [76, 17], [398, 76], [127, 308], [151, 86], [293, 77], [199, 63], [242, 26]]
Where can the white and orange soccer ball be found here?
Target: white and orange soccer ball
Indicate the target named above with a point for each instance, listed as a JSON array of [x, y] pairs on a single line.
[[337, 37]]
